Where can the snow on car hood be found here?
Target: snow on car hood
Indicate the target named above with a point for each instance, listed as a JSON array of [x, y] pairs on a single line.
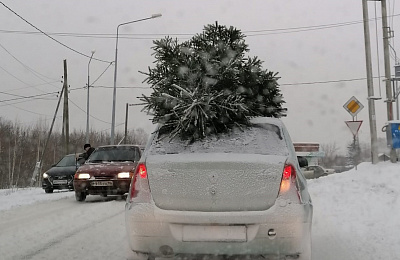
[[107, 168]]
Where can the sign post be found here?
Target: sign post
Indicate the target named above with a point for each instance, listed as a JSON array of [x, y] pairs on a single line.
[[353, 106]]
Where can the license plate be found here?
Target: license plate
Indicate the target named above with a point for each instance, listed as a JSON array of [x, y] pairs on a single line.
[[215, 233], [60, 182], [101, 183]]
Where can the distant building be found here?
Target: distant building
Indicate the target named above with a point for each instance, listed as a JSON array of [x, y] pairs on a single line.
[[310, 151]]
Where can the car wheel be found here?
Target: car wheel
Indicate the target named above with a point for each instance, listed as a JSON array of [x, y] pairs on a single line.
[[48, 190], [80, 196]]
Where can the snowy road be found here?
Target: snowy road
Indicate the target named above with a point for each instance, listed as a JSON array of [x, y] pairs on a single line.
[[356, 217], [65, 229]]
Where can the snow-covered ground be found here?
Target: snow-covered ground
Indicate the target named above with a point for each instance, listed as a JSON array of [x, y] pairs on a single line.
[[356, 213], [11, 198]]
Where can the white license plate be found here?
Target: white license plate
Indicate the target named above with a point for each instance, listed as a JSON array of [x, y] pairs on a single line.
[[59, 181], [101, 183], [215, 233]]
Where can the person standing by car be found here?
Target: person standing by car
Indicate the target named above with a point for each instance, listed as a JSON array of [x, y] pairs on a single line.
[[88, 151]]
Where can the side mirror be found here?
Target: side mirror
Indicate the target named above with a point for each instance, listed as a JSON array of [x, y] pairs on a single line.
[[302, 161]]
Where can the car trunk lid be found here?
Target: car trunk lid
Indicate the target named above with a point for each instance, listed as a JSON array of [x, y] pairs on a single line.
[[213, 182]]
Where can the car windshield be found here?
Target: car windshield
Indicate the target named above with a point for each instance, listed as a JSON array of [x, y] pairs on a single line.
[[116, 153], [68, 160]]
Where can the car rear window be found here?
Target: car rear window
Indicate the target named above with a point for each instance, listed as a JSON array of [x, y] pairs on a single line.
[[262, 138]]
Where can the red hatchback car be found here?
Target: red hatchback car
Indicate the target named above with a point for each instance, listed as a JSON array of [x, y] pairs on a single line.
[[108, 171]]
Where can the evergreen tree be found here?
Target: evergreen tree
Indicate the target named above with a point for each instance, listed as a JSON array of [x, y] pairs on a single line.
[[206, 85], [354, 153]]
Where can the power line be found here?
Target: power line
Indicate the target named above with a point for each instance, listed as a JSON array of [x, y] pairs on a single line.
[[26, 66], [12, 75], [26, 97], [30, 86], [66, 46], [25, 101], [26, 110], [121, 87], [101, 74], [33, 96], [324, 82], [89, 114], [137, 36], [35, 72]]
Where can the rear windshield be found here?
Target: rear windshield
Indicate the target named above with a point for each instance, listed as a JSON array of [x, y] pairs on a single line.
[[68, 160], [116, 153], [266, 139]]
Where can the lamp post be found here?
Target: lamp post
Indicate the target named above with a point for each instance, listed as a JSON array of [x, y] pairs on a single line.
[[87, 101], [115, 72]]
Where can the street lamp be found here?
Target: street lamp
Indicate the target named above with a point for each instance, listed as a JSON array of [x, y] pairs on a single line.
[[115, 72], [87, 101]]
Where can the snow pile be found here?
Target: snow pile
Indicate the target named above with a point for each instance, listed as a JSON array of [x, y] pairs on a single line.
[[10, 198], [358, 209]]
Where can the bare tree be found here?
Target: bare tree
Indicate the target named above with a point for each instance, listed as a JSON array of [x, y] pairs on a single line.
[[331, 153]]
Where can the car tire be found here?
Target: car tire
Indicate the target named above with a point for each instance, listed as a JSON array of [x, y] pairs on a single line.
[[48, 190], [80, 196]]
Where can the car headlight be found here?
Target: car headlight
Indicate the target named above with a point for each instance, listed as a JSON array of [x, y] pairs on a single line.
[[45, 176], [83, 176], [123, 175]]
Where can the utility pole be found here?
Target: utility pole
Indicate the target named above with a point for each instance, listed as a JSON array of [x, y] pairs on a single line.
[[87, 101], [66, 112], [126, 123], [371, 101], [39, 163], [389, 96]]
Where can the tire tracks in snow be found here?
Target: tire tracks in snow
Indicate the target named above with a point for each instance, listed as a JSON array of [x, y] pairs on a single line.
[[66, 235]]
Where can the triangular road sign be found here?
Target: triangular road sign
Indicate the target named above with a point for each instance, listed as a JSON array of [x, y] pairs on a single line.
[[354, 126]]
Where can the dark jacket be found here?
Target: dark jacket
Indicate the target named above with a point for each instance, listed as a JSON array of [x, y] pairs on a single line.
[[88, 153]]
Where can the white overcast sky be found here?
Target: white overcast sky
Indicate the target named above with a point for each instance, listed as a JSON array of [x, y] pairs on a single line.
[[310, 41]]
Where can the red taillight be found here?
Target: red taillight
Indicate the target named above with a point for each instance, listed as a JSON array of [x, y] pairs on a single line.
[[287, 172], [141, 170], [140, 185], [288, 176]]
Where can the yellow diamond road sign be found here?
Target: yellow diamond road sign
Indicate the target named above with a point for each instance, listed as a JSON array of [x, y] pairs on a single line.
[[353, 106]]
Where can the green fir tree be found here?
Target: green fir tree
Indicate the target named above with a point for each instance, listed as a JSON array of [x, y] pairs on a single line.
[[207, 85]]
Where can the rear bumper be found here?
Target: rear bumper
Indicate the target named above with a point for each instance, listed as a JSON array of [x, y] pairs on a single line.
[[119, 187], [150, 228]]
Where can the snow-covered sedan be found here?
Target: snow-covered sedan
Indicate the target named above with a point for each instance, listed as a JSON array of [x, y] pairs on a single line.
[[240, 193]]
